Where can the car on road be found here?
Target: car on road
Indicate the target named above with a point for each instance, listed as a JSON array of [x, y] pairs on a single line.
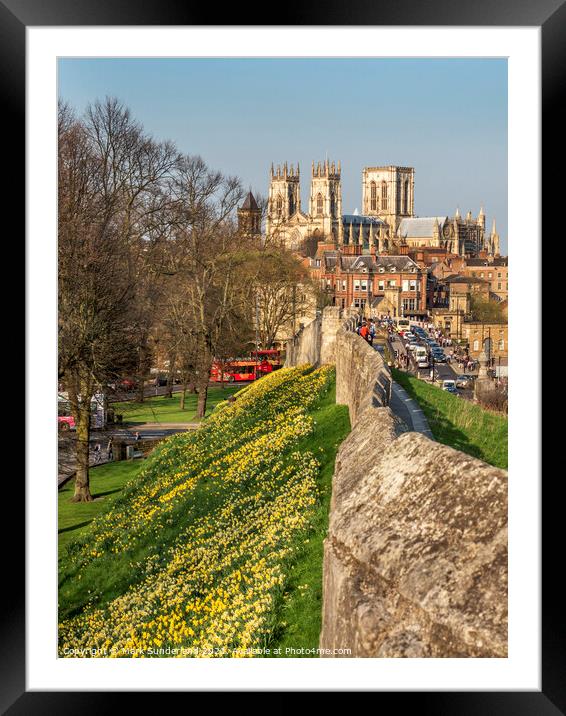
[[464, 381], [450, 387], [439, 356]]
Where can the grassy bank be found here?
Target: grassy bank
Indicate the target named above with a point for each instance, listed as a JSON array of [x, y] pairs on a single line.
[[215, 546], [106, 483], [459, 423], [161, 409]]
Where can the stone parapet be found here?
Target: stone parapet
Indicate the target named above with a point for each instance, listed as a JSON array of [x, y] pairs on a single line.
[[415, 561]]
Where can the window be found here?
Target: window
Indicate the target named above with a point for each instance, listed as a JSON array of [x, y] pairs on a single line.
[[476, 345], [381, 285], [319, 204], [392, 283], [413, 285], [332, 204], [343, 303], [406, 197], [409, 304], [279, 205], [405, 284], [501, 344], [291, 201], [356, 302], [364, 285], [499, 285], [356, 284], [343, 285], [384, 195], [373, 196]]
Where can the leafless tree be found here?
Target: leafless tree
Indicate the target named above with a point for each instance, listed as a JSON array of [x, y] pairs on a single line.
[[109, 173]]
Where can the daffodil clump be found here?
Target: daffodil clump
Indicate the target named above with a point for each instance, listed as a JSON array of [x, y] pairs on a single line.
[[238, 499]]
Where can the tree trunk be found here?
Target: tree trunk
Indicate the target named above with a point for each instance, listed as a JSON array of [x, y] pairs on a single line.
[[171, 376], [82, 485], [183, 395], [202, 397]]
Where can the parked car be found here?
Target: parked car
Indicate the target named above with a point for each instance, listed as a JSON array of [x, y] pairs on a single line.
[[464, 381]]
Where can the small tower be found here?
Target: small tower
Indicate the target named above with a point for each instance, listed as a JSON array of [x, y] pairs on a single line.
[[249, 217], [481, 219]]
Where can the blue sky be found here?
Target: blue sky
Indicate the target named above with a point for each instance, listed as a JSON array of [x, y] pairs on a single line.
[[445, 117]]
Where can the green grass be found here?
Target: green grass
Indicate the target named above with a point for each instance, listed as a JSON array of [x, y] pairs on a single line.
[[459, 423], [88, 583], [106, 483], [167, 410], [300, 616]]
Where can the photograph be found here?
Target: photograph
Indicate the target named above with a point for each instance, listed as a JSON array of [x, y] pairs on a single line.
[[283, 357]]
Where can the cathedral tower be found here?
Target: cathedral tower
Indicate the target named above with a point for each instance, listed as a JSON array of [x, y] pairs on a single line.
[[325, 205], [284, 196], [388, 192]]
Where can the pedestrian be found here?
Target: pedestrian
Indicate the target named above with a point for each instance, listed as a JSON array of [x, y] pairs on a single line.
[[371, 333], [97, 456], [136, 436], [109, 450], [364, 331]]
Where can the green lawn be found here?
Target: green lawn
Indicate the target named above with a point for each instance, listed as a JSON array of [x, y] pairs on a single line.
[[106, 482], [167, 410], [458, 422]]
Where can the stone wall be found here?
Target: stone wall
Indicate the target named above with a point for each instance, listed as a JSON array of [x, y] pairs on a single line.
[[415, 561], [304, 347], [363, 380]]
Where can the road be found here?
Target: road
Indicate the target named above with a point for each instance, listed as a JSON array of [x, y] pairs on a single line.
[[442, 371], [148, 431]]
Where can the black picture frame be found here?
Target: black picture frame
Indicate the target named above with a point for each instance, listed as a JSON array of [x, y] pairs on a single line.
[[550, 16]]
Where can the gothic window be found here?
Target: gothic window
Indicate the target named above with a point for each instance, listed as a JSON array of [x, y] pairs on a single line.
[[332, 204], [384, 195], [406, 197], [291, 202], [279, 205], [319, 204], [373, 196]]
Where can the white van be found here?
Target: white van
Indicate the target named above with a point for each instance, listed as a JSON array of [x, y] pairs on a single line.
[[421, 356]]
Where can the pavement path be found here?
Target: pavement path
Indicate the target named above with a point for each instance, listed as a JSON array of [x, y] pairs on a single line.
[[407, 409]]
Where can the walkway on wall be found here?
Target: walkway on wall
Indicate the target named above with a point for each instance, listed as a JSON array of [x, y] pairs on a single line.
[[407, 409]]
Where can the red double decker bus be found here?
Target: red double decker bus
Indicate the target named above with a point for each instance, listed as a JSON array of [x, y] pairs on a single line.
[[246, 369]]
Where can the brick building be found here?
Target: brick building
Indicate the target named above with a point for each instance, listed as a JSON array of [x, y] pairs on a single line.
[[352, 278]]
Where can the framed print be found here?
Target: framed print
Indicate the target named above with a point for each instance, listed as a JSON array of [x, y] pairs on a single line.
[[269, 267]]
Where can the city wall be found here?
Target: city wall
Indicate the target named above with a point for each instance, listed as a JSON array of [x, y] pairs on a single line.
[[415, 561]]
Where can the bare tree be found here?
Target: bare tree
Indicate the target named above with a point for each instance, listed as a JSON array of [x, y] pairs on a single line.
[[108, 178]]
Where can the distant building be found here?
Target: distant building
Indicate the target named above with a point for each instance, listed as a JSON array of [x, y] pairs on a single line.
[[391, 285], [387, 222]]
